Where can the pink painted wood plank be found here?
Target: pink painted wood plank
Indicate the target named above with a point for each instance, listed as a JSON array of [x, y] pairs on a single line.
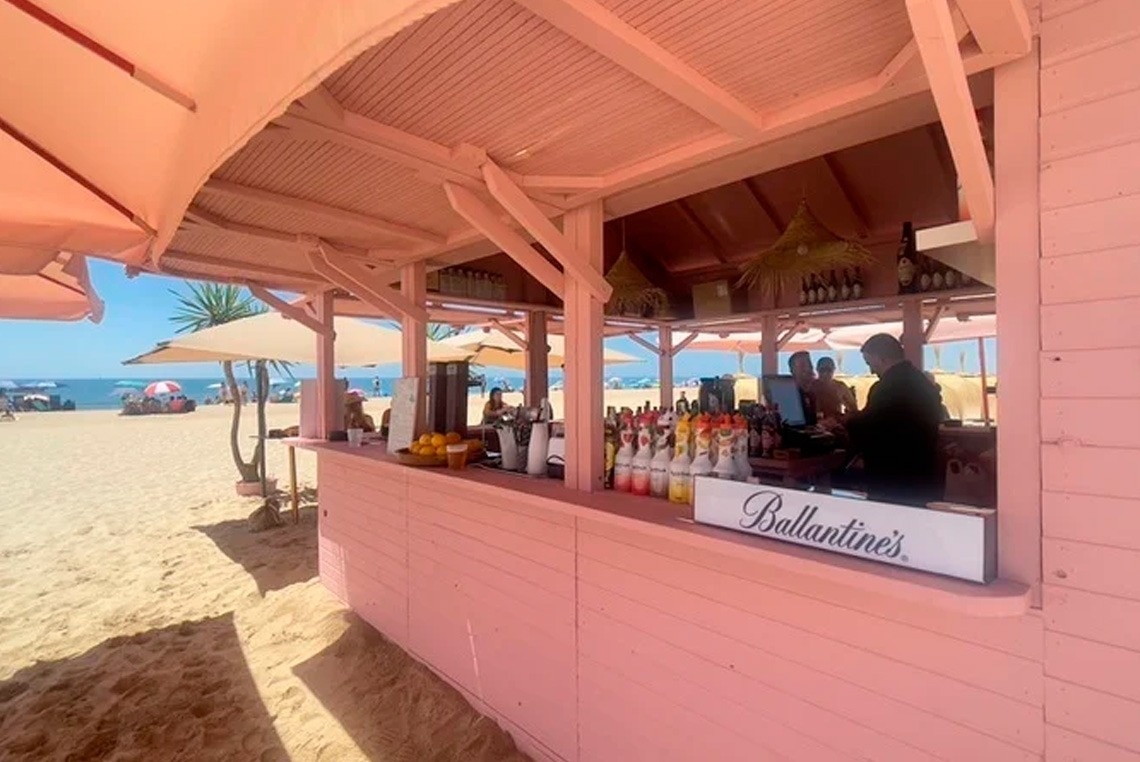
[[605, 736], [1066, 746], [555, 582], [1093, 713], [1083, 422], [551, 616], [1100, 25], [508, 518], [1102, 174], [629, 651], [390, 543], [559, 559], [355, 499], [1016, 635], [383, 567], [1096, 568], [1083, 79], [685, 734], [525, 678], [1090, 227], [546, 509], [1102, 618], [1100, 124], [1094, 665], [1054, 8], [1092, 276], [1099, 520], [897, 719], [644, 573], [1092, 470], [1066, 374], [1108, 324], [1011, 720], [368, 475]]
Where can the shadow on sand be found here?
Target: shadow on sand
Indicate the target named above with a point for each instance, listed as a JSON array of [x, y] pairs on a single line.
[[275, 558], [178, 693], [395, 708]]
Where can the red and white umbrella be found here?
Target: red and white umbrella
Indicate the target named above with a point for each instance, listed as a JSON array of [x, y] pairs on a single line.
[[162, 387]]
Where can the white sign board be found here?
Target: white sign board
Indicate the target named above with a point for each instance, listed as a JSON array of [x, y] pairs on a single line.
[[954, 543], [402, 423]]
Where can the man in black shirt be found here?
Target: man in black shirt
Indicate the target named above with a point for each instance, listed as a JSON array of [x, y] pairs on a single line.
[[897, 432]]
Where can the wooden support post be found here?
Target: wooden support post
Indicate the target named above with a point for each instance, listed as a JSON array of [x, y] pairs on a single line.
[[1019, 264], [413, 287], [914, 334], [582, 229], [769, 346], [665, 365], [985, 381], [537, 367], [331, 417]]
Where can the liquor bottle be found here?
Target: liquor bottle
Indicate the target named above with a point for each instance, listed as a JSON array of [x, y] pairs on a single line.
[[639, 466], [702, 462], [821, 291], [740, 445], [925, 273], [832, 288], [623, 461], [803, 291], [951, 279], [938, 280], [682, 406], [610, 447], [845, 287], [857, 284], [812, 289], [724, 438], [906, 262], [662, 456], [679, 479]]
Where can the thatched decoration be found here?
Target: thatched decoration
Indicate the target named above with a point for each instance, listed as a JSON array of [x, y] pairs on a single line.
[[804, 248], [634, 295]]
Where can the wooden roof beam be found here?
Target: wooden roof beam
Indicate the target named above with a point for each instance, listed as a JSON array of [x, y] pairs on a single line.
[[906, 63], [854, 204], [512, 198], [764, 204], [202, 218], [690, 214], [604, 32], [999, 26], [291, 203], [468, 206], [938, 47], [291, 311], [369, 287], [269, 272]]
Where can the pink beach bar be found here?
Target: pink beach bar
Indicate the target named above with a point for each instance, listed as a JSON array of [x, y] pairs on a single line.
[[597, 626]]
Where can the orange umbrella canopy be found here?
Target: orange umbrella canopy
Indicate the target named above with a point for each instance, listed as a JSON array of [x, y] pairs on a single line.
[[46, 286]]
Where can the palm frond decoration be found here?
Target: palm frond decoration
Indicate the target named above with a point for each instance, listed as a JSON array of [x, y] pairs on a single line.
[[805, 247], [634, 295]]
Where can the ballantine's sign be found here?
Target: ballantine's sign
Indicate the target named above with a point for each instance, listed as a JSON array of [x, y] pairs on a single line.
[[955, 543]]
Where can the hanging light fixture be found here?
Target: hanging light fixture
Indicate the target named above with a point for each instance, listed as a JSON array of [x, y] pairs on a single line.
[[634, 295], [805, 247]]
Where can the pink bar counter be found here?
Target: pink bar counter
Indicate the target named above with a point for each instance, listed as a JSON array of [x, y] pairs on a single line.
[[609, 627]]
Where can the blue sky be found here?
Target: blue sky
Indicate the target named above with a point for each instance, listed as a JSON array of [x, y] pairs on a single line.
[[138, 316]]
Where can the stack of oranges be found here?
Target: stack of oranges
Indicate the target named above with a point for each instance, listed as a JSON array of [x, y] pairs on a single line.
[[434, 444]]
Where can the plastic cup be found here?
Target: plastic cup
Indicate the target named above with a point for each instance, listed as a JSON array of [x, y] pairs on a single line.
[[457, 456], [355, 437]]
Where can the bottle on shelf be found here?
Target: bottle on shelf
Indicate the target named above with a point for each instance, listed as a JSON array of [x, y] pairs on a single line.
[[938, 279], [857, 284], [925, 273], [803, 291], [639, 466], [832, 288], [679, 479], [950, 279], [662, 456], [845, 287], [906, 261], [821, 291], [813, 289], [623, 461], [610, 447], [740, 444], [702, 460]]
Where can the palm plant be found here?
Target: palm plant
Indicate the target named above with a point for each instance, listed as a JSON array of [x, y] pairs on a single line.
[[210, 304]]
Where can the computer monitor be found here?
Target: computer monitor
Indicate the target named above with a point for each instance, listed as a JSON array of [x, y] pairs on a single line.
[[782, 391]]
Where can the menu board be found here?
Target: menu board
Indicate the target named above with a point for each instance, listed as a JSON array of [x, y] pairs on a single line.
[[402, 423]]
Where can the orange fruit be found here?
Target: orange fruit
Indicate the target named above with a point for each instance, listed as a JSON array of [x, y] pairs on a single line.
[[438, 440], [425, 439], [452, 438], [441, 451]]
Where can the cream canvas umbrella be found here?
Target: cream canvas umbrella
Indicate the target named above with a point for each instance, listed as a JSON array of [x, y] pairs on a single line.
[[271, 336], [494, 348], [748, 343], [947, 330]]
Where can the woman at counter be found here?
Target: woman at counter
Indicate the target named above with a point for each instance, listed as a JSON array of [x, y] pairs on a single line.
[[495, 408]]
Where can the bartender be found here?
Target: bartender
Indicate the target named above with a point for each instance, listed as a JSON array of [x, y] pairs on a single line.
[[833, 398], [804, 375], [897, 432]]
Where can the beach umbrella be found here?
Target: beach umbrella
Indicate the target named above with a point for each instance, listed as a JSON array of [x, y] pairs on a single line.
[[947, 330], [44, 385], [36, 285], [129, 384], [495, 349], [162, 387], [270, 336], [214, 386], [745, 343]]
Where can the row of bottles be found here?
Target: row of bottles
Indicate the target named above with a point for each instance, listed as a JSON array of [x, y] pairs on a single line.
[[472, 284], [660, 452], [817, 289], [918, 273]]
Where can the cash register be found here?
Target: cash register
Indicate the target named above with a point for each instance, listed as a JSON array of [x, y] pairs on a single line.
[[797, 432]]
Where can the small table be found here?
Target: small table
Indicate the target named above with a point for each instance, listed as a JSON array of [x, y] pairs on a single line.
[[793, 471]]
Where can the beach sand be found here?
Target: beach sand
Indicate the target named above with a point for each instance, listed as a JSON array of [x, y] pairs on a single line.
[[140, 619]]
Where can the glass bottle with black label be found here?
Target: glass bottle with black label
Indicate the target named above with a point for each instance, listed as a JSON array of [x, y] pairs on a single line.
[[821, 291], [906, 265], [803, 291], [925, 273], [857, 289], [845, 287], [812, 292], [832, 288]]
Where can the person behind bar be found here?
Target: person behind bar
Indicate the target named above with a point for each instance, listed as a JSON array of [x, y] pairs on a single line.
[[804, 375], [897, 432], [833, 399], [495, 408]]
